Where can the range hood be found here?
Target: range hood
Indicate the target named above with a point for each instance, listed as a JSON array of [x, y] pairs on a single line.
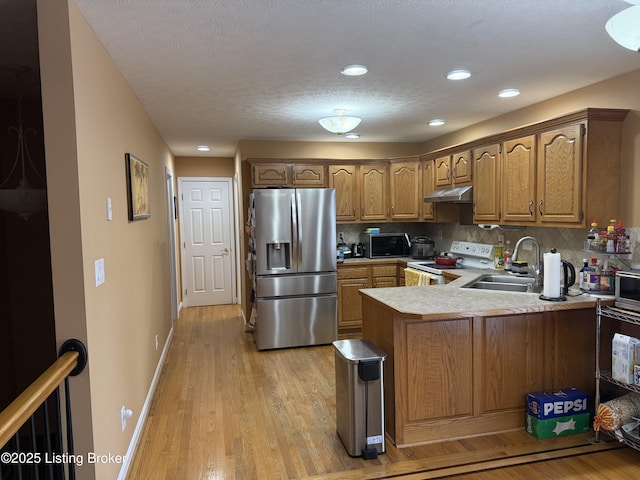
[[451, 195]]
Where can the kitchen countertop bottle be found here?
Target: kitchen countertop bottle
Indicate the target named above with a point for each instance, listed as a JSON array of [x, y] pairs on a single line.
[[507, 257], [584, 274], [498, 252]]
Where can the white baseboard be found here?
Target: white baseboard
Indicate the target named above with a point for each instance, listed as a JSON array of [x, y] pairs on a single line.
[[145, 410]]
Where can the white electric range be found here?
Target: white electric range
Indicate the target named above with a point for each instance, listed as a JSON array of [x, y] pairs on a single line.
[[469, 255]]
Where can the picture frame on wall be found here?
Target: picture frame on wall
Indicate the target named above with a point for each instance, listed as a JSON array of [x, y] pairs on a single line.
[[137, 188]]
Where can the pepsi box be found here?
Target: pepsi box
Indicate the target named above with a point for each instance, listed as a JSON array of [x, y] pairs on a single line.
[[568, 401]]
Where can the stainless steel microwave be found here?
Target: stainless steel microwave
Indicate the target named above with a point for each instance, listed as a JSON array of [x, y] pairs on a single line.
[[628, 290], [380, 245]]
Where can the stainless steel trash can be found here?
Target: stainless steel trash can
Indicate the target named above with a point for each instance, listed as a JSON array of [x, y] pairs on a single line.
[[360, 397]]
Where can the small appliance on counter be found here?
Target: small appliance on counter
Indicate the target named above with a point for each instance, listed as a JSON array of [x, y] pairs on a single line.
[[421, 247], [357, 250], [627, 293], [381, 245]]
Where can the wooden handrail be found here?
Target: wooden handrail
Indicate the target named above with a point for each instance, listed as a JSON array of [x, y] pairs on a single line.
[[19, 411]]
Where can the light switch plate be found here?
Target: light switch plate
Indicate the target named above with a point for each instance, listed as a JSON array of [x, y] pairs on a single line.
[[109, 209], [99, 267]]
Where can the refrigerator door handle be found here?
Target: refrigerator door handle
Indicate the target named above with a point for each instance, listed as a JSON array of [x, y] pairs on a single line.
[[297, 237]]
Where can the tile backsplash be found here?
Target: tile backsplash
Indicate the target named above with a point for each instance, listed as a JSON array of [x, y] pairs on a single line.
[[567, 241]]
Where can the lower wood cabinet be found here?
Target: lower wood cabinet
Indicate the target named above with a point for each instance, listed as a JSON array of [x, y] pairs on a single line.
[[352, 278], [459, 377]]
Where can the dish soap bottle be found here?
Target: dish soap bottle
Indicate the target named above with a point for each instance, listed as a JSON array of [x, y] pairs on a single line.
[[584, 275], [498, 254], [507, 257]]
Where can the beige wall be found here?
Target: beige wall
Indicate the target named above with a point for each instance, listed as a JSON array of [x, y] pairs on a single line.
[[204, 167], [91, 119]]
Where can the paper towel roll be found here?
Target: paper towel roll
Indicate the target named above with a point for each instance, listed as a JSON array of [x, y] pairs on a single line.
[[551, 284]]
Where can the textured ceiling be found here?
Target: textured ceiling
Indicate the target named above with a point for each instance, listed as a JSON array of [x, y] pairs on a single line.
[[218, 71]]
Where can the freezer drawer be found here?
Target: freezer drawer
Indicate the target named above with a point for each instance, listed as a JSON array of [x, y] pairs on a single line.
[[296, 322], [291, 285]]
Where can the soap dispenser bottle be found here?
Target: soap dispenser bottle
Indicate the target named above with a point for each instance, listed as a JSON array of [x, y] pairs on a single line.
[[498, 252]]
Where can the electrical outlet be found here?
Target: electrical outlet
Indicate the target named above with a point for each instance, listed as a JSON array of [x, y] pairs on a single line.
[[99, 271], [157, 341], [341, 235]]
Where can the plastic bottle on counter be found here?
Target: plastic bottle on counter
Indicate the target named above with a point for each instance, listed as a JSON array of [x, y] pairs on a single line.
[[507, 257], [593, 284], [611, 239], [593, 237], [498, 254], [584, 274], [621, 244]]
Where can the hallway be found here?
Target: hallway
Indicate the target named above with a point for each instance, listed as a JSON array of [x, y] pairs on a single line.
[[223, 410]]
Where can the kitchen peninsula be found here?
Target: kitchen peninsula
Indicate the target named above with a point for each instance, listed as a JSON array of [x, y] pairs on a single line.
[[461, 361]]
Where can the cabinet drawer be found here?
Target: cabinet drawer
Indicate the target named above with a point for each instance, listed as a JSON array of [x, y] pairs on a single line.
[[353, 272], [384, 270]]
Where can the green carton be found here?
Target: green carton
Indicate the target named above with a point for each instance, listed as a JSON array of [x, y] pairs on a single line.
[[558, 426]]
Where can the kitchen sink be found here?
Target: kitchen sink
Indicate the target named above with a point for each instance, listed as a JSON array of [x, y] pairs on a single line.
[[505, 283]]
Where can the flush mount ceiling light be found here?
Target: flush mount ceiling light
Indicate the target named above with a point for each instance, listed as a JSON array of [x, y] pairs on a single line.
[[354, 70], [436, 122], [352, 135], [458, 75], [203, 148], [340, 123], [509, 92], [624, 28]]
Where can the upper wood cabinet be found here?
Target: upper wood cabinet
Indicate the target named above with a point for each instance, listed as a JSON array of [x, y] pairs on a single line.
[[559, 178], [345, 180], [374, 197], [428, 186], [405, 182], [486, 186], [288, 175], [519, 180], [453, 170], [543, 177], [270, 175]]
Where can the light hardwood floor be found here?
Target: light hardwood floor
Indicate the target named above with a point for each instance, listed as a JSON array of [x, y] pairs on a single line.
[[223, 410]]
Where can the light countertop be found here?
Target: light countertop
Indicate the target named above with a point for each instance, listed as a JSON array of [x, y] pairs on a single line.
[[450, 301]]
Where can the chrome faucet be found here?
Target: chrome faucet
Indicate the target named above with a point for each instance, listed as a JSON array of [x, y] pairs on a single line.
[[537, 269]]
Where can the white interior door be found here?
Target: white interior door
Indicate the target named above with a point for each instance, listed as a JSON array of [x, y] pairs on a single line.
[[206, 241]]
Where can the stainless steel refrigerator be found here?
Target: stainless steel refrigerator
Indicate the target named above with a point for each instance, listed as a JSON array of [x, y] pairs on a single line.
[[295, 258]]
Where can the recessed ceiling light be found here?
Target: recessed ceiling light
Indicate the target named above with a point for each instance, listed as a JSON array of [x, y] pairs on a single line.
[[509, 92], [354, 70], [458, 74], [352, 135], [203, 148], [436, 122]]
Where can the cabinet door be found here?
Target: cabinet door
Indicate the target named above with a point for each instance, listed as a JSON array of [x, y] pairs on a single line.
[[428, 186], [343, 179], [519, 180], [461, 168], [486, 186], [443, 171], [308, 175], [270, 174], [350, 281], [406, 190], [373, 192], [514, 360], [559, 175]]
